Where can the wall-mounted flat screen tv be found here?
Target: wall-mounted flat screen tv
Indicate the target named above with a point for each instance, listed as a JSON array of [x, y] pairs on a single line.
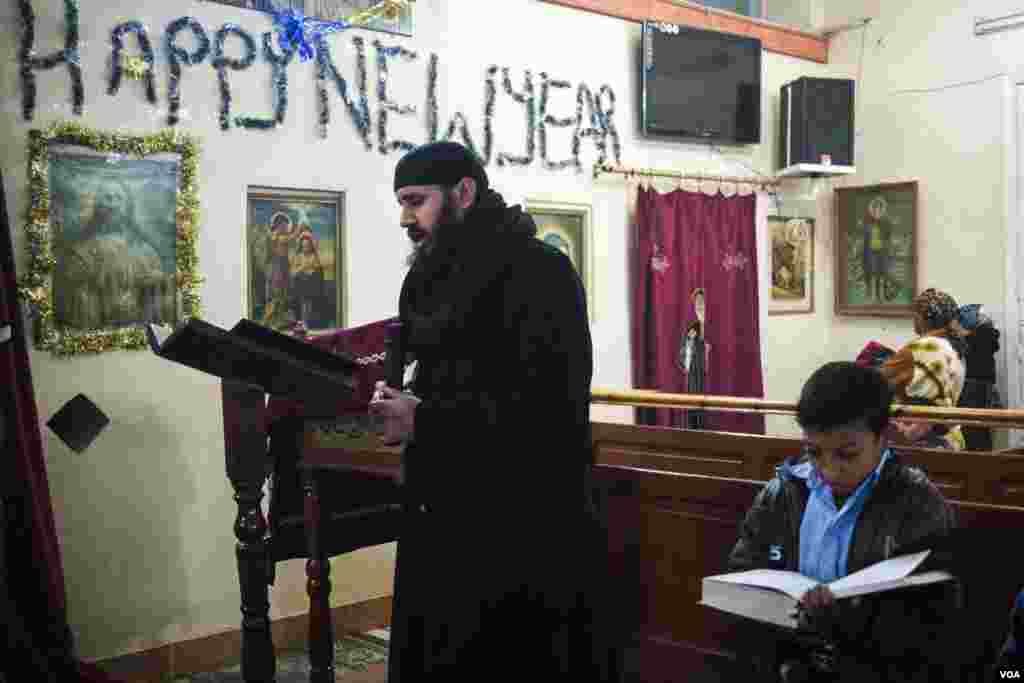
[[700, 84]]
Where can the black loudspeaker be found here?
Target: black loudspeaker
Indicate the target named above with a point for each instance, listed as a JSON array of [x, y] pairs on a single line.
[[816, 127]]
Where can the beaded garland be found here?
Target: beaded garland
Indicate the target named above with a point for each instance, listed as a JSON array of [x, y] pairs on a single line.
[[221, 64], [385, 103], [30, 63], [178, 55], [325, 67], [526, 99], [119, 62], [593, 118]]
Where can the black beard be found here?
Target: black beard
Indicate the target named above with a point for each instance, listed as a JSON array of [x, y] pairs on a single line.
[[426, 251]]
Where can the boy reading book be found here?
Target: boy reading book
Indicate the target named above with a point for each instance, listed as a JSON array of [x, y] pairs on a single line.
[[846, 503]]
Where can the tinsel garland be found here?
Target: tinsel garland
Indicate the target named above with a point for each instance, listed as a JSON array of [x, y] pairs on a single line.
[[607, 123], [526, 99], [549, 120], [257, 122], [458, 120], [177, 55], [279, 77], [29, 63], [585, 99], [221, 64], [432, 114], [385, 103], [325, 67], [117, 57], [35, 287]]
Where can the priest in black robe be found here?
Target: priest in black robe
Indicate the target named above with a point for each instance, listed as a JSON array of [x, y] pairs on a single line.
[[501, 566]]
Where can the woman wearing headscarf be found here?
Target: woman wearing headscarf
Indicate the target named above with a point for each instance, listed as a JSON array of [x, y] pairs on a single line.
[[929, 371], [982, 340]]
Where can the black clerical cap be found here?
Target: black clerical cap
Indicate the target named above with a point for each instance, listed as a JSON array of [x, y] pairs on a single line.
[[440, 163], [78, 423]]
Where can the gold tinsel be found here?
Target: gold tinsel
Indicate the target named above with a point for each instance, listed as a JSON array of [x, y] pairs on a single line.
[[35, 288], [135, 67], [388, 9]]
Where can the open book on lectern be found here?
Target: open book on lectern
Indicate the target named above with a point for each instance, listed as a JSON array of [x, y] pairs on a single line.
[[259, 356]]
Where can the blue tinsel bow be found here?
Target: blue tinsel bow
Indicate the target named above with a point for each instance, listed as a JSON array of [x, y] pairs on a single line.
[[296, 31]]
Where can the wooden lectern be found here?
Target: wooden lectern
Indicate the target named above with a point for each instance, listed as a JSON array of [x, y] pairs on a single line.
[[362, 510], [287, 442]]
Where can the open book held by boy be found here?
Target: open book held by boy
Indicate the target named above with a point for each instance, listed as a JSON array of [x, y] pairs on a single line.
[[843, 506]]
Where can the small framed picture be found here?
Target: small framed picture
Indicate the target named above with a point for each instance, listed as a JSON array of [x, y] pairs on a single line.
[[398, 22], [567, 227], [792, 265], [876, 250], [295, 259]]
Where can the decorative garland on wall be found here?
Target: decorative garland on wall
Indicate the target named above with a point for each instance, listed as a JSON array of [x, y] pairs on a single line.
[[135, 69], [593, 119], [279, 83], [29, 63], [547, 119], [35, 287], [221, 64], [325, 67], [458, 121], [524, 98], [178, 55], [386, 104], [607, 123]]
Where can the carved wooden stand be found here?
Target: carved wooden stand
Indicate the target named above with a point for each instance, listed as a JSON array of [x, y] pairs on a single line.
[[245, 448], [318, 586]]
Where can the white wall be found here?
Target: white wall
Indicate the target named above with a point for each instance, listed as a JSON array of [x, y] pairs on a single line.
[[145, 516], [932, 107]]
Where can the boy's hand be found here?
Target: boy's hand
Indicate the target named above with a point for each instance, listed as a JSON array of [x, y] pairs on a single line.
[[818, 611]]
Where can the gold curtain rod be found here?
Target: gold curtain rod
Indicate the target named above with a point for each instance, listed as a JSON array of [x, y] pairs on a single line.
[[645, 398], [677, 175]]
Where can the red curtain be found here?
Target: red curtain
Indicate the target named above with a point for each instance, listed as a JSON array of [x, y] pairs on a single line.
[[685, 241], [35, 618]]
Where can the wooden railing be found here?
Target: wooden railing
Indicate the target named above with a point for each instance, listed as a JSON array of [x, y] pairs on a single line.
[[645, 398]]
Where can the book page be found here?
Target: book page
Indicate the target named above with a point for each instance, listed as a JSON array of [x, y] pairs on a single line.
[[883, 572], [790, 583]]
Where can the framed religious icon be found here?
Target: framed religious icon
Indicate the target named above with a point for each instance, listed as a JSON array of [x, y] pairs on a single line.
[[566, 226], [792, 265], [295, 269], [876, 249], [111, 237]]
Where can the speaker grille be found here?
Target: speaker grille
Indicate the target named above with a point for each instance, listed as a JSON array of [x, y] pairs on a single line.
[[817, 120]]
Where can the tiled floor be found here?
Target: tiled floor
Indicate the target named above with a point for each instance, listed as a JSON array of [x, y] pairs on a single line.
[[358, 659]]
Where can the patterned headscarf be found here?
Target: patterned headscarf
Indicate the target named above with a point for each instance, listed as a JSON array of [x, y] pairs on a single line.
[[938, 309], [928, 371]]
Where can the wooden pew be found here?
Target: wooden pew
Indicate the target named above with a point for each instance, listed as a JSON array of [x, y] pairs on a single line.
[[675, 499]]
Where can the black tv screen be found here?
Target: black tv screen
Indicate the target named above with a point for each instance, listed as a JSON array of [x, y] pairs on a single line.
[[700, 84]]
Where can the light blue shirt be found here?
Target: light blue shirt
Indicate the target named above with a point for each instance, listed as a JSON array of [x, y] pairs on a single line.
[[826, 532]]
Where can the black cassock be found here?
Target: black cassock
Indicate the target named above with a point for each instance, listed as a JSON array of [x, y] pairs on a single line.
[[500, 565]]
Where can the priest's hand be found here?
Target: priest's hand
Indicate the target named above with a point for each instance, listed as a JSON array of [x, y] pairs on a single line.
[[397, 410]]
